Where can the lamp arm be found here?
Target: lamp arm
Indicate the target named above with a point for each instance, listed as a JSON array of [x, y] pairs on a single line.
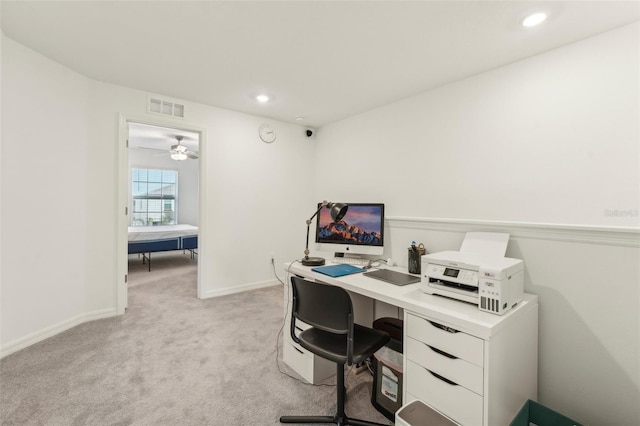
[[324, 204], [306, 249]]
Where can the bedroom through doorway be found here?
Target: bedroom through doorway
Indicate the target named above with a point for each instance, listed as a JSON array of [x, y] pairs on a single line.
[[163, 167]]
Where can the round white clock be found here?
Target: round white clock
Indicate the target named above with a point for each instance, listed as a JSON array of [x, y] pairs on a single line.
[[267, 133]]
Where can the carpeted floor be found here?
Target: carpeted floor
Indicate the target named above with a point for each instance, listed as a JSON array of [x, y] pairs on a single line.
[[172, 359]]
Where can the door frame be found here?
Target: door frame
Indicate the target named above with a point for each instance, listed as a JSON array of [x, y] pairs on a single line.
[[122, 201]]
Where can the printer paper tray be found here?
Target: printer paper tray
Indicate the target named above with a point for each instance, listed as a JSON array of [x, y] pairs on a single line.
[[457, 292], [449, 285]]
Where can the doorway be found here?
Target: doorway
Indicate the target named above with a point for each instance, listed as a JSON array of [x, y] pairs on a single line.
[[160, 186]]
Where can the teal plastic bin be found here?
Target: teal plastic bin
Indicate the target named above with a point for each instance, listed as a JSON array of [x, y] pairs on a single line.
[[533, 413]]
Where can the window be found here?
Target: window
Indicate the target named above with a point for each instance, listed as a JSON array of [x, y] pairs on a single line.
[[154, 194]]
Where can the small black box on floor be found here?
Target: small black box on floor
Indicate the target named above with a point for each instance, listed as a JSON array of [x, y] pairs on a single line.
[[386, 395]]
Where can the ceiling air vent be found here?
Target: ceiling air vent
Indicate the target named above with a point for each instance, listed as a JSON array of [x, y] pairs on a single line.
[[158, 106]]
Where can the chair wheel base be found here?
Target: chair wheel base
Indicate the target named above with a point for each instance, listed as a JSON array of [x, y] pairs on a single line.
[[339, 421], [307, 419]]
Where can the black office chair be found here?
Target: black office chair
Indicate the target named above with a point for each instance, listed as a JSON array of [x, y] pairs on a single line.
[[333, 336]]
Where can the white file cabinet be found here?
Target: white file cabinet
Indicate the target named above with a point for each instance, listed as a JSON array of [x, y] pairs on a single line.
[[471, 379], [311, 367]]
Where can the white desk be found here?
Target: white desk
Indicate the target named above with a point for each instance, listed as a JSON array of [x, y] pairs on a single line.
[[492, 366]]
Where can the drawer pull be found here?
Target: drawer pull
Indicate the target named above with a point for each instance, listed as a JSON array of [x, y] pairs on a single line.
[[298, 350], [444, 379], [444, 327], [441, 352]]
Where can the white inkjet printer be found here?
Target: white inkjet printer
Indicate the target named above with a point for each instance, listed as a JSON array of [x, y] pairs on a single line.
[[483, 277]]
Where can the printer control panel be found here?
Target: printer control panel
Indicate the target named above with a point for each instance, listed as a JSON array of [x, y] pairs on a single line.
[[449, 273]]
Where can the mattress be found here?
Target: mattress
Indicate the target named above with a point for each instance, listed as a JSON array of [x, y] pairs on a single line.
[[161, 232]]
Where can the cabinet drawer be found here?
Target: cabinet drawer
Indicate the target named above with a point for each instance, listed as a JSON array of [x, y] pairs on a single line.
[[297, 358], [454, 401], [312, 368], [411, 398], [300, 327], [449, 340], [455, 369]]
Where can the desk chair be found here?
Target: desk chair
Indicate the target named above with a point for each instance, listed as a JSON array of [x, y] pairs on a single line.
[[333, 336]]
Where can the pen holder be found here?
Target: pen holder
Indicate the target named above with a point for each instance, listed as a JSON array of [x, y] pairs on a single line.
[[415, 259]]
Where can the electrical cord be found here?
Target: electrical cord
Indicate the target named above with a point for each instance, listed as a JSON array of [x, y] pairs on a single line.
[[371, 263], [273, 266]]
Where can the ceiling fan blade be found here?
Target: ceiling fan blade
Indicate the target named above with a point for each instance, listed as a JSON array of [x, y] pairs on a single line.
[[193, 155], [153, 149]]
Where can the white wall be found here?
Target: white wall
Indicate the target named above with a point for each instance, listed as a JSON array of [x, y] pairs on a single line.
[[59, 265], [550, 139], [188, 176], [44, 194], [560, 128], [1, 205], [257, 200]]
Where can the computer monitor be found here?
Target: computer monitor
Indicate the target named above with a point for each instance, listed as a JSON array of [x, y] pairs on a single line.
[[361, 230]]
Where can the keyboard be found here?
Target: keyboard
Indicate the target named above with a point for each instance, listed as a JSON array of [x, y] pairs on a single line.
[[355, 261]]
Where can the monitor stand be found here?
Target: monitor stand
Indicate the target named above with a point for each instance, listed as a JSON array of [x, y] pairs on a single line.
[[348, 255], [351, 259], [342, 254]]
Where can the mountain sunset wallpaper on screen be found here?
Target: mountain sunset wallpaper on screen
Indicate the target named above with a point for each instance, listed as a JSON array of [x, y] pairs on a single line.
[[361, 225]]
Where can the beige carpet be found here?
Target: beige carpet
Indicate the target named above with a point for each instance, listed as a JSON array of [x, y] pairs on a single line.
[[172, 359]]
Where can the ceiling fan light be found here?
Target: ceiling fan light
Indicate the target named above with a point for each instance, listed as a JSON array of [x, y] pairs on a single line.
[[178, 156]]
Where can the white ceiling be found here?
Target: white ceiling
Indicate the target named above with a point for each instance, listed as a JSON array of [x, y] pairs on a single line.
[[146, 136], [324, 60]]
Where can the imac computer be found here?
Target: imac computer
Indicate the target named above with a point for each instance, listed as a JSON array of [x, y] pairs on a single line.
[[360, 232]]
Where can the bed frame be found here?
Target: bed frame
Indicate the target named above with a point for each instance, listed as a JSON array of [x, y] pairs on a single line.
[[151, 244]]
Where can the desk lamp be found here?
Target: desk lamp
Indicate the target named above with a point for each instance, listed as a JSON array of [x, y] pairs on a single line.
[[337, 211]]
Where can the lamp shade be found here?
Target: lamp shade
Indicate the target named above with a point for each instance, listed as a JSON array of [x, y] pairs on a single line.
[[337, 211]]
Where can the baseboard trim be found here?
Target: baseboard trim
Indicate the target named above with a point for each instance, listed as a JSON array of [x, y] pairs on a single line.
[[52, 330], [239, 289], [607, 235]]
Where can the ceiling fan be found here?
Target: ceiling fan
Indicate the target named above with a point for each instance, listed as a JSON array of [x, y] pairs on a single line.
[[177, 152], [180, 152]]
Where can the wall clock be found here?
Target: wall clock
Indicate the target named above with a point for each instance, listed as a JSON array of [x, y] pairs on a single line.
[[267, 133]]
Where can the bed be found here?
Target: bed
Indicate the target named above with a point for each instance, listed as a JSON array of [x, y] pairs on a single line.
[[144, 240]]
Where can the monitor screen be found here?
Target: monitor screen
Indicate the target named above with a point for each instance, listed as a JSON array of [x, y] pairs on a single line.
[[361, 230]]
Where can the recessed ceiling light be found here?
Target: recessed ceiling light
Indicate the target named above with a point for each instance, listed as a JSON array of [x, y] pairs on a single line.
[[300, 118], [534, 19], [262, 98]]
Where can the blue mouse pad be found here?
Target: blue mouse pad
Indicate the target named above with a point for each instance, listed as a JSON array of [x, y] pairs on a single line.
[[338, 270]]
